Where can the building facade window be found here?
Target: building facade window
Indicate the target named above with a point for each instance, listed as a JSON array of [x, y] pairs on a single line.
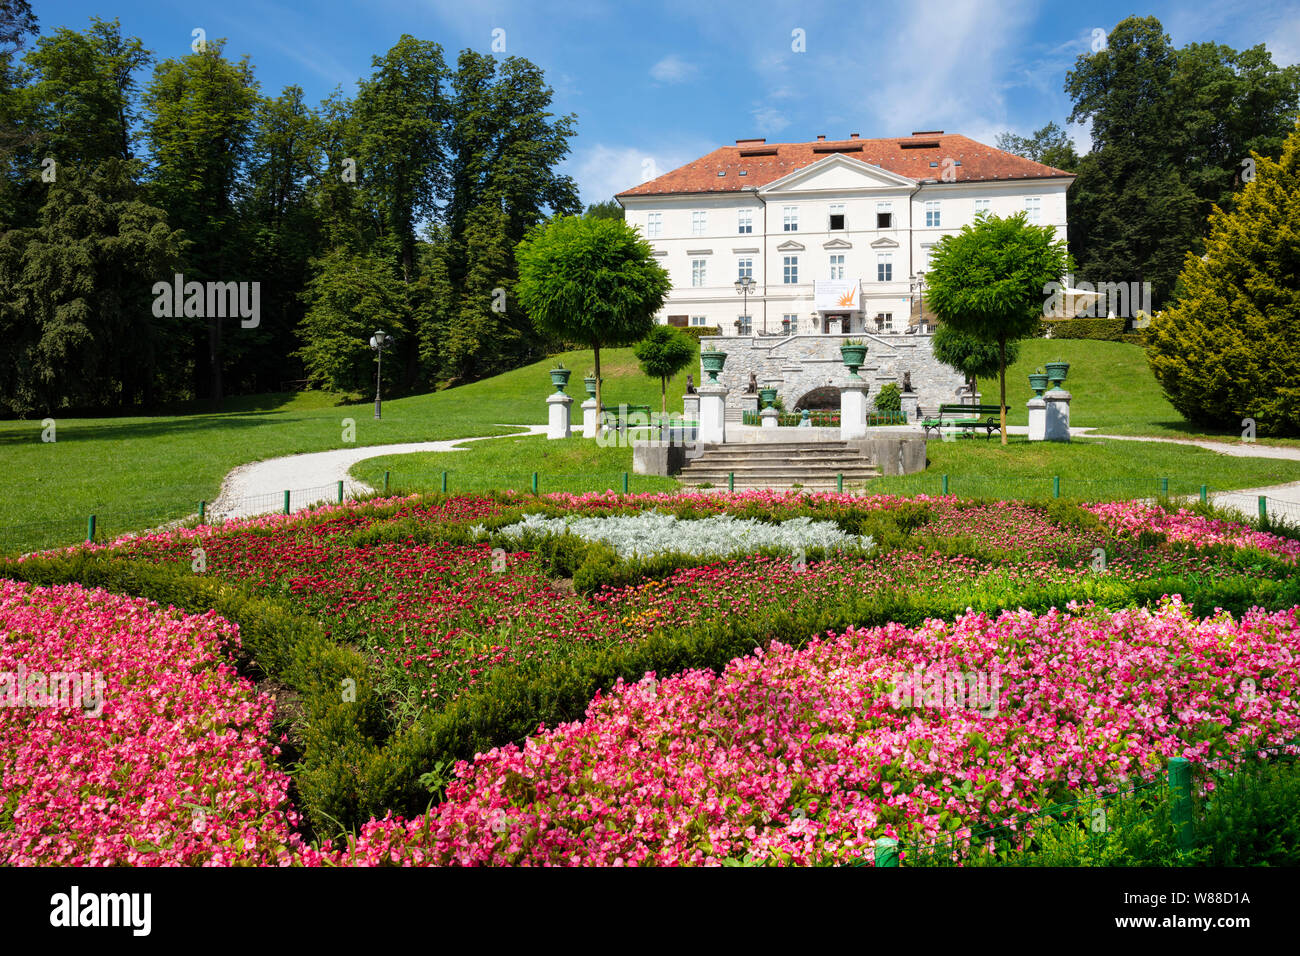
[[744, 267], [885, 321], [790, 219], [926, 249], [790, 274], [790, 323], [654, 225], [981, 205], [837, 267], [1033, 209], [884, 215], [932, 213], [837, 218], [744, 325], [744, 221], [884, 267], [699, 320], [699, 272], [699, 219]]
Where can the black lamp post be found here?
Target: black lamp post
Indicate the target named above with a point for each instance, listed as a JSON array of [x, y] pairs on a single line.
[[743, 285], [918, 286], [379, 341]]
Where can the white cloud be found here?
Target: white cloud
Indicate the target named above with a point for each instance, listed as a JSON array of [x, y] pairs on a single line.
[[673, 69], [601, 170], [768, 120]]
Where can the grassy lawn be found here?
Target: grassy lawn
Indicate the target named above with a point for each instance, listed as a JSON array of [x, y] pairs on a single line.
[[572, 464], [138, 472], [1088, 468], [1111, 388]]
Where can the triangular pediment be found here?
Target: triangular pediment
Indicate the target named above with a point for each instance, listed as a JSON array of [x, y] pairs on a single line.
[[838, 173], [790, 246], [884, 242], [837, 244]]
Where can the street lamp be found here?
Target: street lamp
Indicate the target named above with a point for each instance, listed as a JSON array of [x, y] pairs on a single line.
[[743, 285], [917, 286], [379, 341]]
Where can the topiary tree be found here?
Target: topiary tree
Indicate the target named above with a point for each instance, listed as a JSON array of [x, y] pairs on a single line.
[[970, 356], [1230, 347], [593, 281], [990, 281], [663, 353]]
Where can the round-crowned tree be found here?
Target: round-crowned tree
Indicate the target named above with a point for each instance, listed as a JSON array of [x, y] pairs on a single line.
[[1229, 349], [662, 354], [590, 281], [990, 280], [970, 356]]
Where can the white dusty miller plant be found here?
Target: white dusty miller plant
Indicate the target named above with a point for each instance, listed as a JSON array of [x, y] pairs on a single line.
[[651, 533]]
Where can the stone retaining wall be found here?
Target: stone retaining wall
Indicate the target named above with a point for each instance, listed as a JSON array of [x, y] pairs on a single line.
[[797, 364]]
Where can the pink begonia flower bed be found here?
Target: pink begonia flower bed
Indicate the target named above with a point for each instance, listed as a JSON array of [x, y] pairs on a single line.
[[176, 770], [800, 756], [1133, 517]]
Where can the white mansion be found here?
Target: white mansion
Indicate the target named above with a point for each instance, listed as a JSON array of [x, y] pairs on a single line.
[[835, 235]]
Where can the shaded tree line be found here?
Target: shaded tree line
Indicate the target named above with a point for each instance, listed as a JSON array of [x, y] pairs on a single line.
[[397, 207], [1172, 130]]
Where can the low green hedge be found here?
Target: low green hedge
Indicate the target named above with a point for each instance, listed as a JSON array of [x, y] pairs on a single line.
[[698, 332]]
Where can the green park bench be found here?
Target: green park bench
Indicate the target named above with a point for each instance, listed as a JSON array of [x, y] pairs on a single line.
[[966, 417], [616, 416]]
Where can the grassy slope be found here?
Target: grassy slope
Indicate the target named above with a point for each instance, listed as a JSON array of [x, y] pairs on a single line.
[[1111, 388], [138, 472]]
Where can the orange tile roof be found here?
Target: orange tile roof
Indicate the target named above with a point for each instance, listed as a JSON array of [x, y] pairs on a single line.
[[767, 162]]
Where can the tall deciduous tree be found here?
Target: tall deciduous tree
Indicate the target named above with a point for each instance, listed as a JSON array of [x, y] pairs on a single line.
[[591, 281], [662, 354], [199, 121], [990, 281], [1230, 349], [1170, 129], [969, 355], [1049, 145]]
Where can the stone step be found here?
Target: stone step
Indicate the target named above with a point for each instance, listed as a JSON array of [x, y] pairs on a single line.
[[812, 484], [858, 467]]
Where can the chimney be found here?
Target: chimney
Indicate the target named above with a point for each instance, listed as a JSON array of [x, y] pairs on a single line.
[[853, 135], [754, 142], [927, 132], [821, 137]]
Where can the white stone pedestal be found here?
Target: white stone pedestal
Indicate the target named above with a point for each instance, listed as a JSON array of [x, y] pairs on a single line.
[[557, 425], [853, 410], [910, 402], [713, 424], [769, 417], [691, 408], [748, 405], [589, 418], [1037, 419], [1058, 414]]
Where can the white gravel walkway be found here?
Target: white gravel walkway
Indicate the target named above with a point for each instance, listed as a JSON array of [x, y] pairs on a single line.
[[258, 487]]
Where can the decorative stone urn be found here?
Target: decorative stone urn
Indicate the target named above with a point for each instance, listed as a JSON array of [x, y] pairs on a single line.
[[767, 396], [1038, 382], [1056, 372], [590, 385], [712, 363], [854, 356], [560, 378]]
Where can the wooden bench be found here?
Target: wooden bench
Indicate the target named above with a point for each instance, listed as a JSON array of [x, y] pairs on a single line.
[[967, 418]]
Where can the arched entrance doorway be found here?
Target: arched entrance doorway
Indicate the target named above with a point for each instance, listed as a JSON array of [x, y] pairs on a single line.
[[827, 397]]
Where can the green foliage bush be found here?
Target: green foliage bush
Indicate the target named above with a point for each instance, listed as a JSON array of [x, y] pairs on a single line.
[[889, 398], [698, 332]]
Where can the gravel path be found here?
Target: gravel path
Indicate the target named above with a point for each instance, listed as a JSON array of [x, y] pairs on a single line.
[[258, 487]]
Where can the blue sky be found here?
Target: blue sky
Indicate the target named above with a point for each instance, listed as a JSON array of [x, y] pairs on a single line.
[[655, 85]]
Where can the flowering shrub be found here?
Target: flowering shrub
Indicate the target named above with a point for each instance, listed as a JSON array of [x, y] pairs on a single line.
[[176, 769], [801, 756], [1133, 518], [651, 532]]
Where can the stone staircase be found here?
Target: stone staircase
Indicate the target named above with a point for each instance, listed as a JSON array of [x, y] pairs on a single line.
[[813, 466]]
